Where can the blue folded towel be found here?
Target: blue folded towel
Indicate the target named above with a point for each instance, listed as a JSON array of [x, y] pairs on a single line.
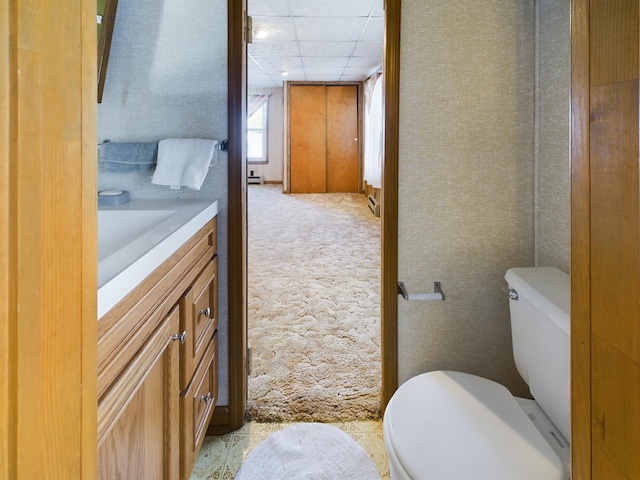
[[128, 157]]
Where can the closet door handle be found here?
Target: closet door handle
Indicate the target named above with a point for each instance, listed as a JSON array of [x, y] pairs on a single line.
[[206, 311]]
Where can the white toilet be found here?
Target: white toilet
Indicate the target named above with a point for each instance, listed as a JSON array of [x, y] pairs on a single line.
[[455, 426]]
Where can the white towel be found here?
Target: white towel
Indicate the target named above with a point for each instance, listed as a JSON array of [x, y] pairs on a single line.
[[183, 162]]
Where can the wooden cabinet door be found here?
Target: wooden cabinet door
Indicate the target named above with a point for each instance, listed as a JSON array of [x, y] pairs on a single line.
[[308, 143], [138, 421], [342, 138]]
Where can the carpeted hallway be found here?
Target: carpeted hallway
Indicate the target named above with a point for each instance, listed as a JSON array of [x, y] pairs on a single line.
[[314, 306]]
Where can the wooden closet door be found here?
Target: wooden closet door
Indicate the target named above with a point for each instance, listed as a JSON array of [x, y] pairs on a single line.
[[308, 144], [342, 138]]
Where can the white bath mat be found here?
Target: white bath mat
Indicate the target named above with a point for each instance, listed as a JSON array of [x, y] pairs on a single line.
[[310, 451]]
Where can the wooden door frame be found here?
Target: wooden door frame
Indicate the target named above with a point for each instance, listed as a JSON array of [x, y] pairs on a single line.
[[580, 244], [237, 212], [48, 230], [389, 211]]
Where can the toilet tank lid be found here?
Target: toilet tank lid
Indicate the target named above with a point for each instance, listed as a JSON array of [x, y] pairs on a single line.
[[547, 289]]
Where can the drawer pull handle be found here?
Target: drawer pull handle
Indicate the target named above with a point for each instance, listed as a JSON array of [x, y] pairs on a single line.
[[206, 312], [206, 398], [180, 336]]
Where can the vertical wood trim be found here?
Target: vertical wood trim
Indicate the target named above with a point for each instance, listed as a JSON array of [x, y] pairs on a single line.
[[389, 214], [286, 171], [8, 401], [580, 244], [89, 227], [360, 137], [237, 181], [104, 47], [48, 234]]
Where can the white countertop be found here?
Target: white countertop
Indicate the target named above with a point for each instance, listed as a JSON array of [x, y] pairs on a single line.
[[136, 237]]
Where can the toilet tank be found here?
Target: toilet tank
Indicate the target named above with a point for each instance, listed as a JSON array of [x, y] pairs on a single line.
[[540, 327]]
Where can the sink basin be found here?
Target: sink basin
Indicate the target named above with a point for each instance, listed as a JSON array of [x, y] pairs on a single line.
[[118, 228], [136, 237]]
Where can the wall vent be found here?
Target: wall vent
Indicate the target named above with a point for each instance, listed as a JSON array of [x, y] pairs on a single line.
[[255, 180], [374, 206]]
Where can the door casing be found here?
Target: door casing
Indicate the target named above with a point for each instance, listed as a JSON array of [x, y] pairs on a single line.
[[238, 215]]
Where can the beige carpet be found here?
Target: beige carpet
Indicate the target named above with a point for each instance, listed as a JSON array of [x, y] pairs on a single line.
[[314, 307]]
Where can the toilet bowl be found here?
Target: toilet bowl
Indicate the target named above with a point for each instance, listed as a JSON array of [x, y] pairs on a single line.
[[453, 425]]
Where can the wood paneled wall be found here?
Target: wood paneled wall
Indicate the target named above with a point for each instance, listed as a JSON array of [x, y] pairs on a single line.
[[605, 240], [48, 239]]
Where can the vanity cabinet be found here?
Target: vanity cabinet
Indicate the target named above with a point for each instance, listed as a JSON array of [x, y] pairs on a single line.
[[137, 419], [157, 367], [198, 363]]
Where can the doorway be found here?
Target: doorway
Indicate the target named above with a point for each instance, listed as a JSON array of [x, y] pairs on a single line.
[[237, 212]]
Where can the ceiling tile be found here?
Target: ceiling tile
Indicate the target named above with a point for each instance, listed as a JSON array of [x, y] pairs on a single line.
[[378, 9], [328, 29], [278, 49], [268, 7], [278, 61], [294, 77], [357, 71], [280, 28], [276, 70], [332, 8], [326, 73], [251, 62], [325, 61], [326, 36], [326, 49], [260, 79], [368, 49], [364, 62], [374, 31]]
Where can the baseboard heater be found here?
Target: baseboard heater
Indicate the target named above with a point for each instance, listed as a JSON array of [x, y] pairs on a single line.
[[255, 180], [374, 206]]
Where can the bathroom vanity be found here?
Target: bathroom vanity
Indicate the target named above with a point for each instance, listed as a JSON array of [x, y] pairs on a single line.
[[157, 336]]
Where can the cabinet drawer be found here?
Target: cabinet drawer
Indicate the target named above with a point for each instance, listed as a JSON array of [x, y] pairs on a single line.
[[199, 319], [197, 404]]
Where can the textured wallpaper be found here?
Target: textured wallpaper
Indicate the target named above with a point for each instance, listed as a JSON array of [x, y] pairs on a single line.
[[484, 172], [167, 77], [553, 199], [466, 182]]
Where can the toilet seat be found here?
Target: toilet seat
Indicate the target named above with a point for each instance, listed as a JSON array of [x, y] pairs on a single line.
[[451, 425]]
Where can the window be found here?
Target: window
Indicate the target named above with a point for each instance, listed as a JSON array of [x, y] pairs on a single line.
[[257, 132]]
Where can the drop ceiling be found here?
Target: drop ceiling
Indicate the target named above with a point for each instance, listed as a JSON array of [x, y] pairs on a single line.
[[315, 40]]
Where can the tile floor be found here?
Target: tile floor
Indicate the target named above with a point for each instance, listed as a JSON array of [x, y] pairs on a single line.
[[221, 457]]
